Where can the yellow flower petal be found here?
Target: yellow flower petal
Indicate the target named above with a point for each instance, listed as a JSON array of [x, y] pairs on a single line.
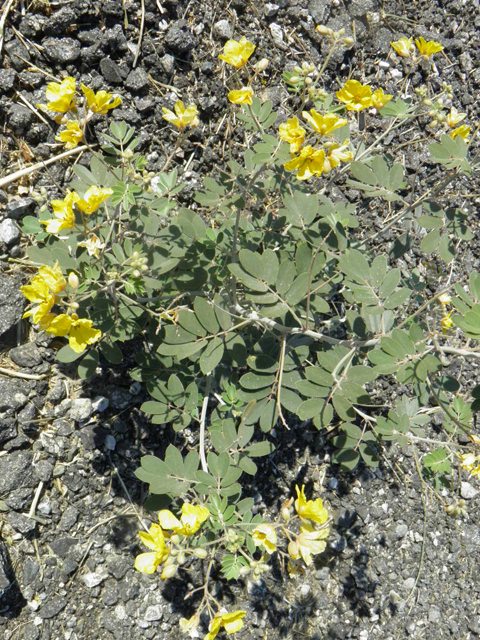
[[427, 49], [147, 562], [264, 535], [92, 199], [100, 102], [403, 47], [182, 116], [237, 53], [380, 99], [82, 334], [60, 325], [53, 276], [355, 95], [71, 136], [61, 96], [241, 96], [293, 133], [310, 509]]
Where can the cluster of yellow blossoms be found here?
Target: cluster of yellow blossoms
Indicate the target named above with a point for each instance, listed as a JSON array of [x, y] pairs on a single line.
[[62, 99], [64, 215], [311, 161], [405, 49], [236, 53], [45, 291], [169, 543]]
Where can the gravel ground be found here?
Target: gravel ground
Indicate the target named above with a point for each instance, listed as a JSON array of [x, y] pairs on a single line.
[[396, 566]]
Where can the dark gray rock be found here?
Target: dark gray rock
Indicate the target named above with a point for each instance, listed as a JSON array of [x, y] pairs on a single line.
[[20, 118], [136, 80], [92, 55], [12, 304], [318, 10], [26, 355], [15, 471], [179, 39], [144, 104], [61, 546], [43, 470], [13, 394], [118, 566], [120, 399], [33, 24], [62, 50], [91, 37], [31, 569], [111, 71], [15, 51], [27, 414], [5, 569], [8, 79], [59, 21], [115, 40], [69, 518], [110, 595], [52, 607], [21, 523], [18, 208], [19, 499], [3, 197], [30, 632], [63, 427], [57, 393], [8, 428]]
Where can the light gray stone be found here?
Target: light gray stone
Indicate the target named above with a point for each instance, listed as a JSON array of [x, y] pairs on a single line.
[[153, 613], [222, 29], [81, 409], [93, 579], [9, 233]]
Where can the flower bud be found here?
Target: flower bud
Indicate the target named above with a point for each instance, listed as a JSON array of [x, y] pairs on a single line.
[[181, 558], [73, 280], [262, 65], [286, 514], [74, 306], [294, 79], [175, 538], [144, 267], [323, 30], [349, 41], [297, 69], [127, 154], [200, 553], [244, 571], [293, 550], [136, 273], [308, 81], [169, 572], [427, 102], [440, 102]]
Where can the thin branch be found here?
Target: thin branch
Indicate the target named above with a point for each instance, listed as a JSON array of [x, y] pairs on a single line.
[[202, 424]]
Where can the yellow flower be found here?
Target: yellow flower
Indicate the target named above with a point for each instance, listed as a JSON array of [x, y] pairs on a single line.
[[455, 118], [310, 162], [155, 540], [463, 131], [92, 199], [355, 95], [427, 49], [310, 509], [63, 212], [61, 97], [231, 622], [470, 463], [80, 331], [403, 47], [291, 132], [71, 136], [324, 125], [311, 542], [93, 245], [38, 292], [190, 521], [241, 96], [264, 535], [446, 322], [237, 53], [101, 101], [190, 626], [53, 276], [336, 153], [380, 99], [182, 117]]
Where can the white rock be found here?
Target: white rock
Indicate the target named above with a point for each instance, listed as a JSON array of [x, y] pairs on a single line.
[[467, 491], [92, 580]]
